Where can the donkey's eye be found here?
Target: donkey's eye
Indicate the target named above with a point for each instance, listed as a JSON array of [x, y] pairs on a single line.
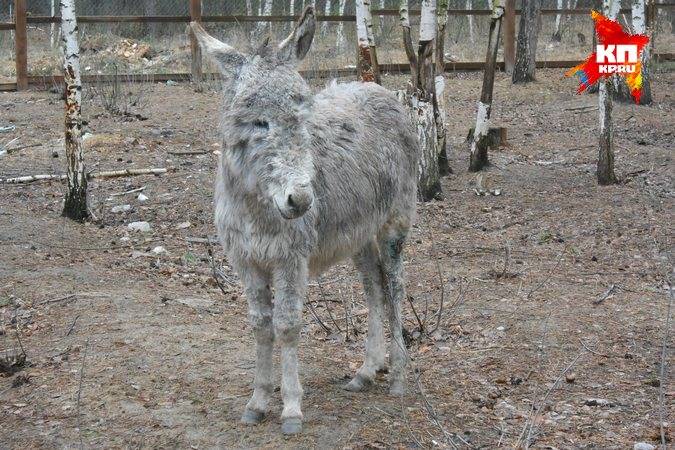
[[261, 124]]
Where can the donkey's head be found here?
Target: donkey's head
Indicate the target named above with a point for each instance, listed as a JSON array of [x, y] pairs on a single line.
[[267, 142]]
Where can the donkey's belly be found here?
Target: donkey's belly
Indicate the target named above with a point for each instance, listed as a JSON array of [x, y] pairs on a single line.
[[336, 243]]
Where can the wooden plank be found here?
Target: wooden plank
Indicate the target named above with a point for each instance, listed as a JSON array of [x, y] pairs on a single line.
[[21, 44], [195, 49], [393, 69], [510, 35], [286, 18], [7, 26]]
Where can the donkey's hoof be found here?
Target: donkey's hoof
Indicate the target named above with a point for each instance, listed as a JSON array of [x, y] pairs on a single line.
[[251, 417], [291, 426], [397, 388], [358, 384]]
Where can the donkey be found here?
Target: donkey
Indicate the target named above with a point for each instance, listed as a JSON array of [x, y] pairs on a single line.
[[306, 180]]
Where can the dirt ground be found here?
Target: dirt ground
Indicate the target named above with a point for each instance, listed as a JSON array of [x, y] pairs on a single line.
[[555, 293]]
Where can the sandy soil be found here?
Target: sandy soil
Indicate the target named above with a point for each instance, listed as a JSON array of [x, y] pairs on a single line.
[[128, 348]]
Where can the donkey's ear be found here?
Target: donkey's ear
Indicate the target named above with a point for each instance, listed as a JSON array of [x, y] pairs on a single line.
[[296, 45], [226, 58]]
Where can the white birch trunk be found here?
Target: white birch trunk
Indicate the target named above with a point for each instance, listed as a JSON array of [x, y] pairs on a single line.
[[557, 33], [341, 26], [421, 103], [75, 205], [640, 27], [428, 20], [468, 6], [249, 8], [367, 58], [264, 9], [605, 168], [52, 28], [326, 12]]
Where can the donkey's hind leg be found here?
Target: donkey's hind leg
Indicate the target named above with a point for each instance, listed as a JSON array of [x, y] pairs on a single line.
[[367, 263], [391, 244]]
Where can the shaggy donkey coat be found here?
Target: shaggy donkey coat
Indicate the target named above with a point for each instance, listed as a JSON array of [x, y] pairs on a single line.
[[306, 180]]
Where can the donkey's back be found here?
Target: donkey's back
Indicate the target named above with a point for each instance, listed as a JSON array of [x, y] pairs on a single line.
[[365, 155]]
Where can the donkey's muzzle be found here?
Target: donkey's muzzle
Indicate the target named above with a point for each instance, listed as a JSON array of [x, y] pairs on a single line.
[[298, 202]]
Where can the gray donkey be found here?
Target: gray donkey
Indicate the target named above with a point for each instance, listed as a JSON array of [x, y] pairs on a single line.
[[306, 180]]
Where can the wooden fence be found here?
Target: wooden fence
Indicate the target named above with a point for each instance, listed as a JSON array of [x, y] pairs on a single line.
[[22, 20]]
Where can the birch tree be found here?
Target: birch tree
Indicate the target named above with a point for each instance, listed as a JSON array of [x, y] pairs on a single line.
[[469, 6], [622, 91], [326, 12], [264, 9], [75, 205], [441, 22], [557, 32], [367, 66], [421, 100], [340, 37], [605, 169], [479, 144], [526, 48]]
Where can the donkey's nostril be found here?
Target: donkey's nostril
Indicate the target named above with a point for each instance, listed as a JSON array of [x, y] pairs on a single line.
[[291, 203]]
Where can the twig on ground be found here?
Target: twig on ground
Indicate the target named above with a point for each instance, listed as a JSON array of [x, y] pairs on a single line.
[[344, 305], [59, 299], [90, 176], [412, 307], [581, 341], [70, 330], [442, 300], [529, 424], [318, 319], [132, 191], [214, 270], [190, 152], [330, 313], [22, 147], [79, 393], [662, 372], [609, 293], [548, 276]]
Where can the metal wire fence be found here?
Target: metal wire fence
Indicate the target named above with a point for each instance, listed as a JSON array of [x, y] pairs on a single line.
[[146, 47]]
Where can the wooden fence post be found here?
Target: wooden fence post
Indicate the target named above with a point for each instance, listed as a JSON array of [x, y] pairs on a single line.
[[196, 51], [510, 36], [21, 44]]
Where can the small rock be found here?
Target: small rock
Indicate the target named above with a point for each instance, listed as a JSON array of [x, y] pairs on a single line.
[[120, 208], [501, 328], [183, 225], [143, 227], [571, 377], [643, 446], [142, 198], [171, 83], [158, 250]]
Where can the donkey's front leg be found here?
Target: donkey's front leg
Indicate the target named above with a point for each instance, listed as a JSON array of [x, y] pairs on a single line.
[[259, 296], [290, 284]]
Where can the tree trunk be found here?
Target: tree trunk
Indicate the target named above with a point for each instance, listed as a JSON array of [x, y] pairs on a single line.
[[367, 67], [264, 9], [509, 36], [622, 91], [75, 206], [442, 21], [341, 26], [479, 144], [326, 12], [407, 42], [249, 8], [423, 105], [528, 34], [469, 6], [557, 33], [53, 38], [605, 170]]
